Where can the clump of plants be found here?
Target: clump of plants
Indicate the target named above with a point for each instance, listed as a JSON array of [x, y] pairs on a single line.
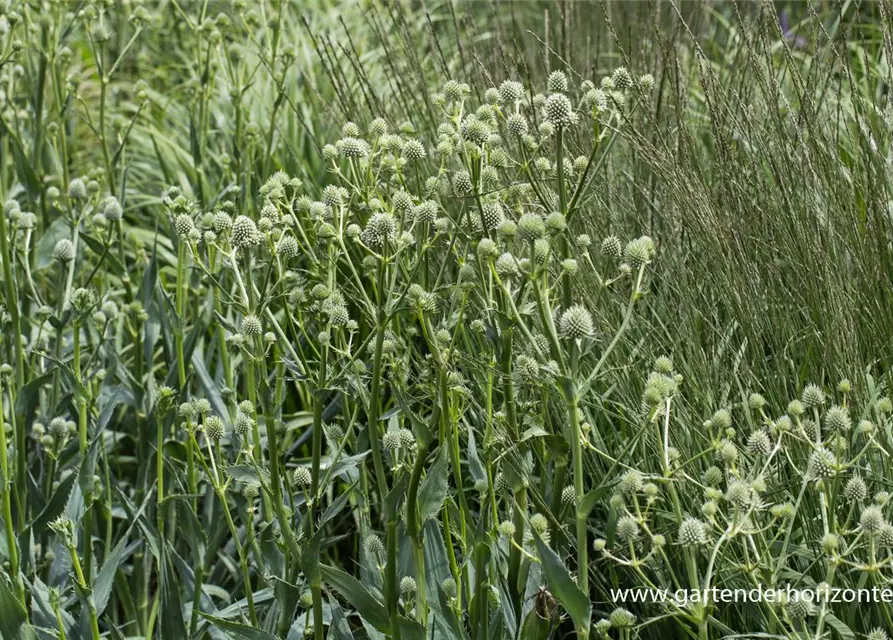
[[360, 407]]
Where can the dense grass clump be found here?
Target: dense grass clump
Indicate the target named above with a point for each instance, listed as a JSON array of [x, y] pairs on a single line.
[[336, 321]]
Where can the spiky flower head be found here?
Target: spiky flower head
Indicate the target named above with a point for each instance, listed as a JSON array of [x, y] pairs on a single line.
[[63, 251], [877, 634], [576, 323], [691, 532], [243, 424], [838, 419], [622, 619], [373, 544], [631, 482], [871, 519], [559, 111], [302, 477], [214, 428], [408, 586], [822, 463], [381, 229], [622, 79], [507, 528], [244, 233], [77, 189], [855, 489], [557, 82], [492, 215], [351, 147], [517, 125], [627, 528], [799, 608], [812, 396], [555, 223], [639, 252], [413, 150], [759, 443], [251, 325], [713, 476], [475, 130], [511, 91]]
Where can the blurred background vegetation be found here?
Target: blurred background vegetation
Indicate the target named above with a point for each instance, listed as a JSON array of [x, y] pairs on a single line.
[[762, 169]]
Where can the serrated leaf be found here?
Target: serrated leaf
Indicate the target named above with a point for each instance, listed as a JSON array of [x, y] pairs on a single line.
[[236, 630], [12, 614], [371, 610], [565, 590], [434, 487]]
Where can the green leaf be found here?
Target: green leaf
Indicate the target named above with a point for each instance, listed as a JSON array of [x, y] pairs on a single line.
[[339, 629], [172, 624], [353, 591], [12, 613], [102, 587], [838, 625], [434, 487], [248, 474], [534, 627], [563, 587], [236, 630], [43, 253]]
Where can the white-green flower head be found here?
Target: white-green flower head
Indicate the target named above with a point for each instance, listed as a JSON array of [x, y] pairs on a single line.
[[486, 249], [516, 124], [822, 463], [759, 443], [855, 489], [243, 424], [557, 82], [449, 587], [373, 544], [492, 214], [692, 532], [555, 223], [244, 233], [251, 325], [184, 225], [631, 482], [871, 519], [63, 251], [511, 91], [531, 227], [576, 323], [559, 111], [621, 79], [622, 619], [475, 130], [646, 82], [408, 586], [214, 428], [111, 208], [799, 608], [627, 529], [456, 91], [378, 127], [288, 247], [812, 396], [507, 528], [639, 252], [507, 266], [413, 150], [381, 229], [838, 419], [302, 477], [201, 405], [610, 247], [713, 476], [77, 189]]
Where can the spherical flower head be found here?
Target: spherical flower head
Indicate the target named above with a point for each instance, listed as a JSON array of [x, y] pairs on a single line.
[[426, 212], [639, 252], [214, 428], [759, 443], [555, 223], [646, 82], [378, 127], [352, 148], [111, 208], [507, 265], [799, 608], [407, 586], [407, 438], [539, 523], [381, 229], [391, 440], [568, 495], [627, 528], [822, 463], [559, 111], [812, 396], [721, 419], [475, 130], [622, 79], [838, 419], [738, 492], [713, 476], [251, 491], [77, 189], [63, 251], [557, 82], [631, 482], [301, 477], [620, 618], [288, 248], [528, 367], [531, 227], [201, 405], [855, 489], [492, 215], [413, 150], [373, 544], [462, 182], [251, 325], [59, 428], [486, 249], [517, 125], [243, 424], [871, 519], [507, 528], [350, 129], [576, 323], [184, 225], [692, 532], [329, 152], [244, 233], [510, 91], [449, 587], [663, 365]]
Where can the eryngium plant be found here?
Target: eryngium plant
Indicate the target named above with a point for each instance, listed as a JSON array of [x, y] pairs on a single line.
[[363, 404]]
